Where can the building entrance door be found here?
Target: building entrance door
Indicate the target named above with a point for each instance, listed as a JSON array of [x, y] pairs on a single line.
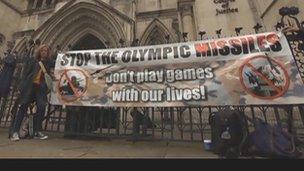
[[88, 42]]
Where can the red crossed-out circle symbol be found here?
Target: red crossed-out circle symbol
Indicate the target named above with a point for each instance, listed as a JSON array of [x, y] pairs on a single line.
[[264, 78], [72, 84]]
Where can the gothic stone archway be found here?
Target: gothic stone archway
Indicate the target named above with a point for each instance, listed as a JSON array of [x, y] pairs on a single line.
[[77, 19], [81, 19], [156, 33]]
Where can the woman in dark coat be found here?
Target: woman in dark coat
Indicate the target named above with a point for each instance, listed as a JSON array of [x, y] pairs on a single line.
[[6, 76], [33, 88]]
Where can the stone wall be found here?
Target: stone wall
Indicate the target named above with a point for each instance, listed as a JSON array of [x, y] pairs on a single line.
[[211, 16], [10, 23]]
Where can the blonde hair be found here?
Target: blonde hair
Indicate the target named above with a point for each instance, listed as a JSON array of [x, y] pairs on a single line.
[[37, 53]]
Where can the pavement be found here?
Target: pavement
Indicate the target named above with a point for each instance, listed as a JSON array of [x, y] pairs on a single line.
[[59, 147]]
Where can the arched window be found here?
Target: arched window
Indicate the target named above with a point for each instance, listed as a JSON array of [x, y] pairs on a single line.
[[156, 37], [88, 41], [156, 33], [41, 4]]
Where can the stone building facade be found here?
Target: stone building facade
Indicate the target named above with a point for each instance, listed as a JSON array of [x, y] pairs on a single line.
[[93, 24]]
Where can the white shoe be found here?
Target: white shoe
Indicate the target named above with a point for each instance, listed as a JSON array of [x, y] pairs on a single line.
[[40, 135], [97, 131], [15, 137]]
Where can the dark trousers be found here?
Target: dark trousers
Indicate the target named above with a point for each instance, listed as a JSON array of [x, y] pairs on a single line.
[[40, 97]]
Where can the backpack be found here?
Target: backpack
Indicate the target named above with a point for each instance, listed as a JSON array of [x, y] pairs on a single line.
[[271, 141], [227, 133]]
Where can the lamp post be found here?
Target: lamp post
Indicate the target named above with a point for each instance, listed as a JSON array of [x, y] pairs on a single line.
[[238, 30], [135, 42], [122, 42], [185, 36], [219, 33], [167, 37], [202, 33], [257, 27]]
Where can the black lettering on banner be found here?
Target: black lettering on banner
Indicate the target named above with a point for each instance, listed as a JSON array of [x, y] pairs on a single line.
[[237, 48], [87, 58], [252, 46], [114, 56], [97, 57], [143, 53], [106, 58], [134, 56], [73, 56], [175, 49], [224, 49], [167, 51], [64, 60], [126, 56], [80, 59], [184, 51], [245, 45], [154, 54]]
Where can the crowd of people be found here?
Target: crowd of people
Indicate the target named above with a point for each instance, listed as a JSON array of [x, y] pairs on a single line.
[[32, 88], [33, 91]]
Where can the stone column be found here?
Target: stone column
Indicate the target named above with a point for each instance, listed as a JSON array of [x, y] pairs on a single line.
[[185, 8]]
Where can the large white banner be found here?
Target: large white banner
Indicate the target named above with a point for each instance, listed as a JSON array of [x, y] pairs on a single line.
[[246, 70]]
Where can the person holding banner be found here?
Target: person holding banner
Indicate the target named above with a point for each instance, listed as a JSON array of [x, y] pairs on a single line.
[[33, 88], [6, 78]]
